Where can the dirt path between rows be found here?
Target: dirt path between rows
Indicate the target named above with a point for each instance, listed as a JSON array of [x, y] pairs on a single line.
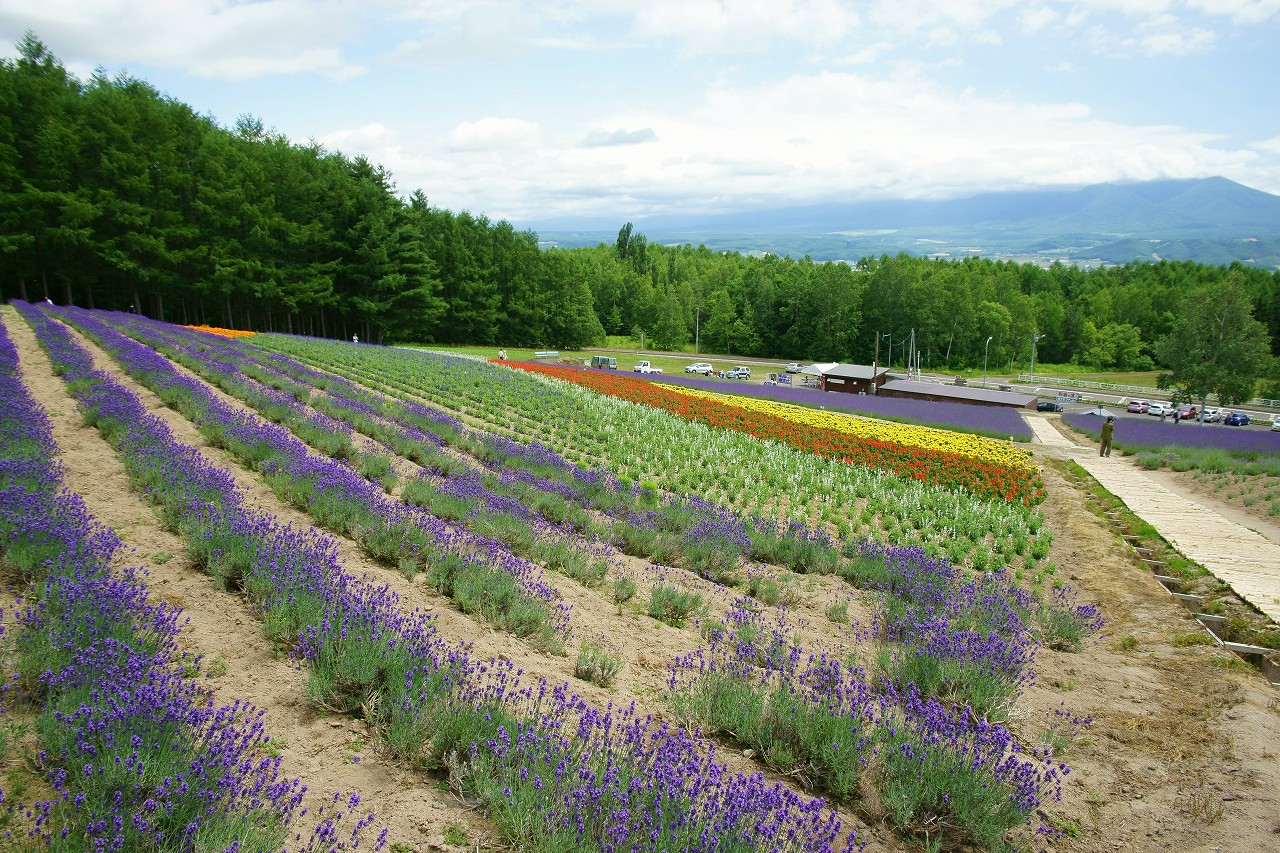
[[1180, 756]]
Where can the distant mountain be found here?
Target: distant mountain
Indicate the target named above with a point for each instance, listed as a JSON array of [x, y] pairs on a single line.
[[1211, 220]]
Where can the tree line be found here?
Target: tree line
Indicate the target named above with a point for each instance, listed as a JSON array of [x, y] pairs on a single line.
[[115, 196]]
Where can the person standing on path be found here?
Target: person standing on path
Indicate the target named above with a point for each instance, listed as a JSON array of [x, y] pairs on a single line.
[[1108, 429]]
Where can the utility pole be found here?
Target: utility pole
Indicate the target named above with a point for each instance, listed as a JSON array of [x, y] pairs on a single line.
[[697, 324]]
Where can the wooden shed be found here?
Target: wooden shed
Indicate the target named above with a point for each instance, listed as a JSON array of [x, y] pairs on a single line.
[[853, 378]]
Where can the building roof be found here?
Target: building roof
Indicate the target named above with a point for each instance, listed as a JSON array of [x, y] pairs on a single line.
[[819, 369], [854, 371], [959, 393]]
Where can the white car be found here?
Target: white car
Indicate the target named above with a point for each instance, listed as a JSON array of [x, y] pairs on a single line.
[[702, 367], [795, 367], [1210, 416], [1275, 423], [1158, 408], [739, 372]]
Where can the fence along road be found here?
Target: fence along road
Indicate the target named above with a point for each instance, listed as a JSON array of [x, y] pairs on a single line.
[[1241, 557]]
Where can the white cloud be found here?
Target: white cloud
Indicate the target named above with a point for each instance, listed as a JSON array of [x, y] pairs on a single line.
[[1240, 11], [492, 134], [1271, 145], [604, 138], [708, 26], [891, 136], [1034, 19], [206, 38], [1165, 35], [872, 99], [867, 55]]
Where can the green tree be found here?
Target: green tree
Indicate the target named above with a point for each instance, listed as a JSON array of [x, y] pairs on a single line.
[[1115, 346], [717, 329], [1215, 346]]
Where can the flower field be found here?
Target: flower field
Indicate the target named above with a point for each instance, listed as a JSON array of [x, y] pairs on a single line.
[[599, 623], [927, 438], [985, 467], [997, 422]]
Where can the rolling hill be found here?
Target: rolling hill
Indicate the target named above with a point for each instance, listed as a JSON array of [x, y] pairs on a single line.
[[1209, 220]]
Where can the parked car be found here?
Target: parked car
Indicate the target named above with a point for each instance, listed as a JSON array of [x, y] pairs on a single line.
[[1048, 406], [1275, 423], [1139, 406], [1186, 412], [645, 367], [1209, 415], [1160, 409], [795, 367], [701, 367], [1236, 419], [738, 372]]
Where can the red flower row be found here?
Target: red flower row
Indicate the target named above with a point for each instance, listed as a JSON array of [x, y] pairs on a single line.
[[949, 470]]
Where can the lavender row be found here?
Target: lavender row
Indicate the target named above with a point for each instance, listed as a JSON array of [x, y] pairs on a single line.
[[546, 763], [481, 574], [136, 754], [939, 771]]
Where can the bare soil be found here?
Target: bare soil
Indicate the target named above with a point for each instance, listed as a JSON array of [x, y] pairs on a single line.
[[1180, 754]]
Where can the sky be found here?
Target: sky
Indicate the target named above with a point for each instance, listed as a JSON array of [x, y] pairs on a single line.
[[529, 111]]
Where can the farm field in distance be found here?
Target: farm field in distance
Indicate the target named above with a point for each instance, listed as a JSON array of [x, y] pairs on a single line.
[[496, 605]]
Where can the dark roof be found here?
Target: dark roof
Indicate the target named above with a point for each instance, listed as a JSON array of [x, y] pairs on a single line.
[[854, 371], [959, 393]]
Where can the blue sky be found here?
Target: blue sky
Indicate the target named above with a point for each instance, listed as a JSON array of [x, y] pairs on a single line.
[[527, 111]]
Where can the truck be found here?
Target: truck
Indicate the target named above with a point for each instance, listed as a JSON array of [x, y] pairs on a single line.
[[645, 367]]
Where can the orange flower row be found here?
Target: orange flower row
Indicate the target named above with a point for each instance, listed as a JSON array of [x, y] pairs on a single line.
[[949, 470], [226, 333]]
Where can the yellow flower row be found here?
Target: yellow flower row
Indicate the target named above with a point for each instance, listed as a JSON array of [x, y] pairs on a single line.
[[226, 333], [930, 438]]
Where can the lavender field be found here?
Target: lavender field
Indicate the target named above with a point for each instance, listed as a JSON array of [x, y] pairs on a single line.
[[1134, 435], [513, 594]]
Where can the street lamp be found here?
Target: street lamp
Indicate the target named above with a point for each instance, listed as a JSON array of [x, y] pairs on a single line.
[[985, 348], [1034, 339]]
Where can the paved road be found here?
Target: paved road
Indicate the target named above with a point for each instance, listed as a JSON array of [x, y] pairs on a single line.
[[1246, 560]]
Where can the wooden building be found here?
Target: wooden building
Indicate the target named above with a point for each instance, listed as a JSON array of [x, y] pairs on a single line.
[[919, 390], [853, 378]]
